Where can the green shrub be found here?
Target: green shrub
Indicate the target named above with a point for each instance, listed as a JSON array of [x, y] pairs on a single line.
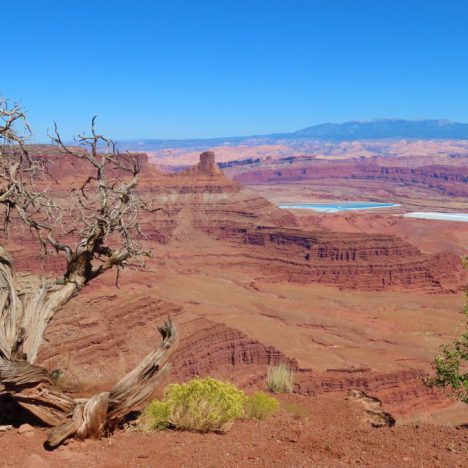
[[280, 379], [204, 404], [451, 365], [464, 262], [156, 415], [259, 405]]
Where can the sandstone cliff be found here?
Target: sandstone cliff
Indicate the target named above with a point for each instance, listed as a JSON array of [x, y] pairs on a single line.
[[254, 235], [441, 179], [209, 225]]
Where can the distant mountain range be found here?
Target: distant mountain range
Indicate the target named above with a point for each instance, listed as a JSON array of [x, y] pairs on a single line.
[[348, 131], [418, 129]]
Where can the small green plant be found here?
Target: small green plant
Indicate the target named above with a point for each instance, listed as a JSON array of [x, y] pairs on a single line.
[[464, 262], [156, 415], [259, 405], [451, 365], [280, 379], [204, 404], [199, 405]]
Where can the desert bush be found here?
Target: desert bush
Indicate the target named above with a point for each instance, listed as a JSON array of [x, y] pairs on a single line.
[[464, 261], [199, 405], [451, 365], [259, 405], [204, 404], [156, 415], [280, 378]]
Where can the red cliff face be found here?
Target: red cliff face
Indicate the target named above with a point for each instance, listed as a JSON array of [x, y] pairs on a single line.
[[361, 261], [120, 335], [265, 239], [207, 165], [98, 337], [208, 225], [447, 180]]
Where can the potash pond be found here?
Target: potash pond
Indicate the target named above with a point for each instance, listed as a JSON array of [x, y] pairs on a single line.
[[336, 207], [463, 217]]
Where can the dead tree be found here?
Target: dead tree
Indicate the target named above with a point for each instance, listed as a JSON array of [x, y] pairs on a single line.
[[96, 231]]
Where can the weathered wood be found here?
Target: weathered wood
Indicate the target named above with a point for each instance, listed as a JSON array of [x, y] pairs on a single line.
[[27, 304], [15, 374], [33, 389], [49, 405], [87, 420], [104, 232], [9, 303], [138, 385], [24, 317], [60, 433], [94, 416]]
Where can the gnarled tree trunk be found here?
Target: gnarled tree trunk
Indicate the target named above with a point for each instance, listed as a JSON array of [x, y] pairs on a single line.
[[100, 216], [27, 304]]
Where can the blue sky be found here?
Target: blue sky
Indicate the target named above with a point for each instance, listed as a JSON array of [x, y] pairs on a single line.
[[185, 69]]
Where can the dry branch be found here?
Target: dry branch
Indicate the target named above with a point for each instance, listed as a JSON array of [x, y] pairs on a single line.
[[104, 411], [102, 223]]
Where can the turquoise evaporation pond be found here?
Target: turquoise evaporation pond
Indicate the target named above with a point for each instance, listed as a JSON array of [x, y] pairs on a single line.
[[460, 217], [336, 207]]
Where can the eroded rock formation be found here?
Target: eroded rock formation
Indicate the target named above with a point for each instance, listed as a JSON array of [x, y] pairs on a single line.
[[446, 180], [209, 221], [203, 201]]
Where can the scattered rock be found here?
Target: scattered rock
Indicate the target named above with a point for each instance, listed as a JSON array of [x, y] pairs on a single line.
[[25, 428], [375, 416], [5, 428]]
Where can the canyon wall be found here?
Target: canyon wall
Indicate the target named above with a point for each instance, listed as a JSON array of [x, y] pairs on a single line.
[[447, 180], [260, 237], [209, 224]]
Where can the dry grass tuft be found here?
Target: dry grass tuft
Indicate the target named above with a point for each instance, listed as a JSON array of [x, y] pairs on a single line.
[[280, 378]]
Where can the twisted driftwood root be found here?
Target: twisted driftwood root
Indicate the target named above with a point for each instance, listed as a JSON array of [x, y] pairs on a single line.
[[33, 389]]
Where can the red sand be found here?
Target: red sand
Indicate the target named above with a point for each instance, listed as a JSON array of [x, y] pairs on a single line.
[[329, 431]]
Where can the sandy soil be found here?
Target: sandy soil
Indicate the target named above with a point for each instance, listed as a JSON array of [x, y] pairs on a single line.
[[326, 431]]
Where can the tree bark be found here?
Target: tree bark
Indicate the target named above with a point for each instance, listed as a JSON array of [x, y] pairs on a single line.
[[33, 389], [27, 304]]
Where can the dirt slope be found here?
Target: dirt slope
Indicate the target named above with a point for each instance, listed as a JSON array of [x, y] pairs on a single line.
[[328, 431]]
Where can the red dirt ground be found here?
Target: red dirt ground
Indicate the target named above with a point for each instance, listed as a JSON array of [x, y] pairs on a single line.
[[326, 431]]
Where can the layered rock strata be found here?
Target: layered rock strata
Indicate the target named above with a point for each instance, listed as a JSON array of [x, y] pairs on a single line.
[[447, 180], [265, 239]]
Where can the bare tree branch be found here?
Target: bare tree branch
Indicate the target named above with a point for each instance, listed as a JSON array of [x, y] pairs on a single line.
[[95, 229]]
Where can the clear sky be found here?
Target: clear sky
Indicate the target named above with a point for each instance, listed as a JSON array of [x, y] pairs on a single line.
[[184, 69]]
